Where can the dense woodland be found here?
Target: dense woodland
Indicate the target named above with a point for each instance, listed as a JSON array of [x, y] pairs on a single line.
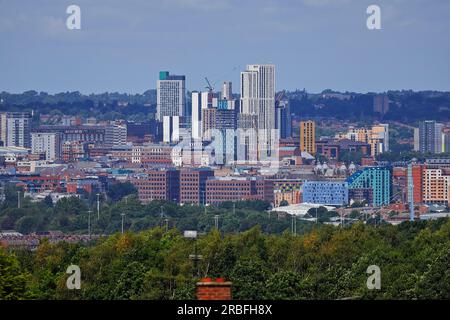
[[326, 263], [70, 215], [252, 248]]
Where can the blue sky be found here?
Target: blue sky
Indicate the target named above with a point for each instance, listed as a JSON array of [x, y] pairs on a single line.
[[315, 44]]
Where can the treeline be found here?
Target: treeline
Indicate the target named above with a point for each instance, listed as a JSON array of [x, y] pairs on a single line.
[[409, 155], [405, 106], [326, 263], [71, 215], [105, 106]]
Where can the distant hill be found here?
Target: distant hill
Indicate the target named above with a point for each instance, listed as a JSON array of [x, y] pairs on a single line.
[[404, 106]]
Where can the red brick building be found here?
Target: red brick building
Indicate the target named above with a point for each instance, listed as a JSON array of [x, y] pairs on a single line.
[[332, 149], [417, 176], [74, 150], [193, 185], [148, 155], [158, 185], [224, 189]]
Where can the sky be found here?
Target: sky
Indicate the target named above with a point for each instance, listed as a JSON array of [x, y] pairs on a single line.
[[314, 44]]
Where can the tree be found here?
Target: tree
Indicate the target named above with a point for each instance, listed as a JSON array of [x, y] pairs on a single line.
[[117, 191], [27, 224], [284, 285], [435, 282], [284, 203], [249, 280], [13, 281], [48, 201]]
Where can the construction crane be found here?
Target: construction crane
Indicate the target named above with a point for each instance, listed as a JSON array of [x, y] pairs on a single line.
[[280, 95], [209, 86]]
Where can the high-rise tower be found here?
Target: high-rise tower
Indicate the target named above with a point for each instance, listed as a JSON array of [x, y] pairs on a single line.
[[308, 137], [258, 98]]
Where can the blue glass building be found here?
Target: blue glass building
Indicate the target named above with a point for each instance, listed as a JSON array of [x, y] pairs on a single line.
[[378, 179], [325, 192]]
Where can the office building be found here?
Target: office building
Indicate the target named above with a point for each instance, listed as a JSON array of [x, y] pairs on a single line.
[[378, 179], [436, 185], [193, 185], [152, 155], [258, 98], [219, 119], [46, 143], [200, 102], [377, 137], [158, 185], [417, 176], [325, 192], [247, 141], [170, 104], [308, 137], [171, 129], [73, 151], [142, 132], [222, 189], [227, 93], [428, 137], [219, 126], [170, 96], [84, 133], [115, 135], [334, 148], [283, 121], [15, 129], [196, 114]]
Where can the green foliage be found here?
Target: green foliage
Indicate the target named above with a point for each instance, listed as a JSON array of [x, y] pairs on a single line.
[[103, 106], [13, 280], [117, 191], [325, 262], [48, 201], [351, 156]]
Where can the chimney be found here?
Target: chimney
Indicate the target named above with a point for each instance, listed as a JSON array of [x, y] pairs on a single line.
[[219, 289]]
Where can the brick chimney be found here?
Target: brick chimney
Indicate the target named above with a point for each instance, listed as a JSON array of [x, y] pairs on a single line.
[[218, 289]]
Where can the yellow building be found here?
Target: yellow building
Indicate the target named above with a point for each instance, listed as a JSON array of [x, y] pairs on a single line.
[[377, 137], [308, 137]]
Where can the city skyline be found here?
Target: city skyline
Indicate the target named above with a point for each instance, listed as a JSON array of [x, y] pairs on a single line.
[[316, 45], [255, 150]]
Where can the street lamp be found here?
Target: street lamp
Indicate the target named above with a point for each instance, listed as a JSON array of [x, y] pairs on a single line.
[[317, 219], [192, 234], [294, 225], [98, 206], [89, 223], [18, 199], [123, 216], [216, 221], [204, 200]]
